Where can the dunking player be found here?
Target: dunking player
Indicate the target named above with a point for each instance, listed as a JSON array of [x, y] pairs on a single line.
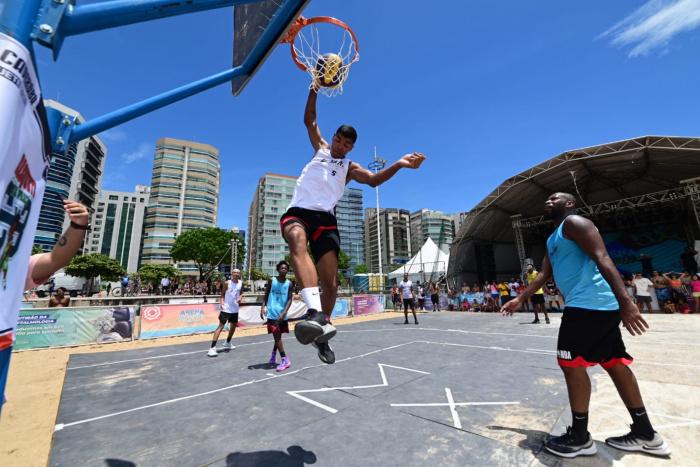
[[310, 218], [596, 301]]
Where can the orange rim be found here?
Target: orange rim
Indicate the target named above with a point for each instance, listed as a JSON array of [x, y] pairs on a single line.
[[302, 22]]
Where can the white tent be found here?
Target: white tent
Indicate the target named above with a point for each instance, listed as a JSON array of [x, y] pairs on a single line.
[[428, 264]]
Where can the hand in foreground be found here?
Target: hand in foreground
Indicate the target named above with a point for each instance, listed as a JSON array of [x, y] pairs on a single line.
[[511, 307], [76, 212], [632, 319], [412, 161]]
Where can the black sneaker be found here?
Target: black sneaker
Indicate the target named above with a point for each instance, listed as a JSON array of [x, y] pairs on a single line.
[[570, 445], [537, 321], [633, 441], [405, 322], [325, 353], [416, 322], [313, 327], [546, 320]]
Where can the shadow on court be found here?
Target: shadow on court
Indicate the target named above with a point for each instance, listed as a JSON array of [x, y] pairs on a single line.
[[295, 456]]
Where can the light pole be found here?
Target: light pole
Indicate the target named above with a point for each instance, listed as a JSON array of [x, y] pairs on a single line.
[[378, 164], [234, 253]]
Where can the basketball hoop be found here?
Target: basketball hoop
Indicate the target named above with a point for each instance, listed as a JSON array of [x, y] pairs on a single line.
[[328, 70]]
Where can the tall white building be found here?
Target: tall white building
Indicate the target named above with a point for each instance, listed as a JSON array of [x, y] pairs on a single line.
[[395, 238], [435, 225], [75, 175], [117, 225]]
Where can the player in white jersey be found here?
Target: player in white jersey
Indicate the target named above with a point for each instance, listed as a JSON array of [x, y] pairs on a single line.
[[230, 298], [310, 219], [408, 297]]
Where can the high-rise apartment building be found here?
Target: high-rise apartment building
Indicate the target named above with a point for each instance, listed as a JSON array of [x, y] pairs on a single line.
[[351, 228], [117, 225], [431, 224], [395, 238], [266, 246], [184, 196], [75, 175]]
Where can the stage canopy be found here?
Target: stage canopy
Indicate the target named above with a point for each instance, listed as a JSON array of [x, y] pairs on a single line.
[[649, 170], [428, 264]]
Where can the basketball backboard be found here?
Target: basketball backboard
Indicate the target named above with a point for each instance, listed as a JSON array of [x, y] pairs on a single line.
[[252, 21]]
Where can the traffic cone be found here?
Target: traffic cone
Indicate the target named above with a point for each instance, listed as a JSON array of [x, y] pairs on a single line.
[[99, 295]]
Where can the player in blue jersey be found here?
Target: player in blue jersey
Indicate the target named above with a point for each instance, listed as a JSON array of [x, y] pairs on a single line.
[[276, 303], [596, 302]]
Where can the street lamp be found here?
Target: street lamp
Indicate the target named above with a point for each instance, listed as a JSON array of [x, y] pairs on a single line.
[[378, 164], [234, 253]]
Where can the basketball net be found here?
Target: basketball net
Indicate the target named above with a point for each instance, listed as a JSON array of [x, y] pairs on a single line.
[[305, 39]]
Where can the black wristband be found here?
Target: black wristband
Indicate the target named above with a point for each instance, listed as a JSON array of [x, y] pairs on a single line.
[[80, 227]]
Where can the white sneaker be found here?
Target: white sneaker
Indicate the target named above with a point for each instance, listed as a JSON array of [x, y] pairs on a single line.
[[212, 352], [227, 345]]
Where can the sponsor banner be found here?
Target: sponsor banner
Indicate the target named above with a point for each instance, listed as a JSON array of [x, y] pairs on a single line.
[[443, 302], [175, 319], [368, 304], [48, 327], [340, 310], [26, 305]]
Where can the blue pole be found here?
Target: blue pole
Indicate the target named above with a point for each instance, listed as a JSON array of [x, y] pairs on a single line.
[[98, 16], [17, 19], [110, 120]]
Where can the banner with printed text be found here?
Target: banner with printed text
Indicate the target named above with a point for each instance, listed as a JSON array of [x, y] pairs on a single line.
[[49, 327], [368, 304]]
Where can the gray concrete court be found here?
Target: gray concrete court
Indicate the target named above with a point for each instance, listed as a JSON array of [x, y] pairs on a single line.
[[458, 389]]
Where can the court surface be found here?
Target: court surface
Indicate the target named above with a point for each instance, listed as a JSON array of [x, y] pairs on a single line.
[[457, 389]]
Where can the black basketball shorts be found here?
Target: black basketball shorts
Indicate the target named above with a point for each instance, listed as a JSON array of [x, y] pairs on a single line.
[[408, 303], [230, 317], [537, 299], [591, 337], [321, 229]]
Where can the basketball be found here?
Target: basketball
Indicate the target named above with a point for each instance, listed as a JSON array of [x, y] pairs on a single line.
[[330, 70]]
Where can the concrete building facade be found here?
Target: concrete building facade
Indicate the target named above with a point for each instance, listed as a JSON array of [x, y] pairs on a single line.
[[436, 225], [117, 225], [351, 228], [76, 175], [184, 196], [395, 231]]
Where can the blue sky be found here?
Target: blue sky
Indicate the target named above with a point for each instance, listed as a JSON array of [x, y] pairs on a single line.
[[484, 89]]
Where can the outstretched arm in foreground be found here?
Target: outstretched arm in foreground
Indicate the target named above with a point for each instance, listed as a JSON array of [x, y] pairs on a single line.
[[67, 245]]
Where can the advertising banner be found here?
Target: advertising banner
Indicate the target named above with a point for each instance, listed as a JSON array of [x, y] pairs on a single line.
[[172, 320], [368, 304], [48, 327], [443, 302], [340, 310]]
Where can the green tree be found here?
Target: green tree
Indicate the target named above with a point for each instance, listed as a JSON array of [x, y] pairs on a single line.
[[255, 275], [207, 248], [36, 250], [154, 273], [361, 269], [96, 264]]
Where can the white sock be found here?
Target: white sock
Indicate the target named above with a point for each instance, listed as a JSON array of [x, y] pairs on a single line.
[[311, 297]]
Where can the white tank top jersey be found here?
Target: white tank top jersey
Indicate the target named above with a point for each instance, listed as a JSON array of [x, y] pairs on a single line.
[[233, 291], [322, 183]]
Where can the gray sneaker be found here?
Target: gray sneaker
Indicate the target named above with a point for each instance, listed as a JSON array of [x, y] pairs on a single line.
[[635, 442], [570, 445]]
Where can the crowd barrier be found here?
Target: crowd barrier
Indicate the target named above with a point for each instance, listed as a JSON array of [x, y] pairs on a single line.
[[52, 327]]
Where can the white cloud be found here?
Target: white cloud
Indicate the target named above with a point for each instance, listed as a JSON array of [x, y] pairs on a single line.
[[144, 150], [113, 136], [654, 24]]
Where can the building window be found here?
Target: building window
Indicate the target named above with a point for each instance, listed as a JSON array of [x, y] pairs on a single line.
[[113, 197], [141, 200], [133, 200], [126, 198]]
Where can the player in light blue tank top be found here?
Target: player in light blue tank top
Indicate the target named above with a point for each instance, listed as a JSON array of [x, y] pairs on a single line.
[[589, 334], [276, 303], [577, 275]]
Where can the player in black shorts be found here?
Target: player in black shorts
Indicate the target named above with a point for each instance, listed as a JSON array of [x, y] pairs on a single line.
[[310, 220], [596, 303]]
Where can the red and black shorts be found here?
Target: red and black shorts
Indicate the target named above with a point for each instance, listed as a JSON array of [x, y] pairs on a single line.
[[591, 337], [274, 327], [321, 229]]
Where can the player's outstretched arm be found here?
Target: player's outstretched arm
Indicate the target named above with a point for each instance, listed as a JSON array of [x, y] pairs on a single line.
[[67, 246], [584, 232], [315, 137], [364, 176]]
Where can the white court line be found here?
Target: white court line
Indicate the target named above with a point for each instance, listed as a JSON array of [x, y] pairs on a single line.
[[507, 349], [453, 409], [456, 404], [61, 426], [158, 356], [461, 331], [385, 383], [542, 350]]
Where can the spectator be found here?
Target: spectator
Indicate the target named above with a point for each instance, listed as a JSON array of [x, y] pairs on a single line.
[[676, 287], [434, 289], [537, 298], [661, 286], [109, 288], [420, 294], [647, 268], [695, 287], [453, 299], [688, 260], [165, 285], [514, 289], [60, 299], [643, 288], [552, 294], [504, 290], [669, 307], [495, 296]]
